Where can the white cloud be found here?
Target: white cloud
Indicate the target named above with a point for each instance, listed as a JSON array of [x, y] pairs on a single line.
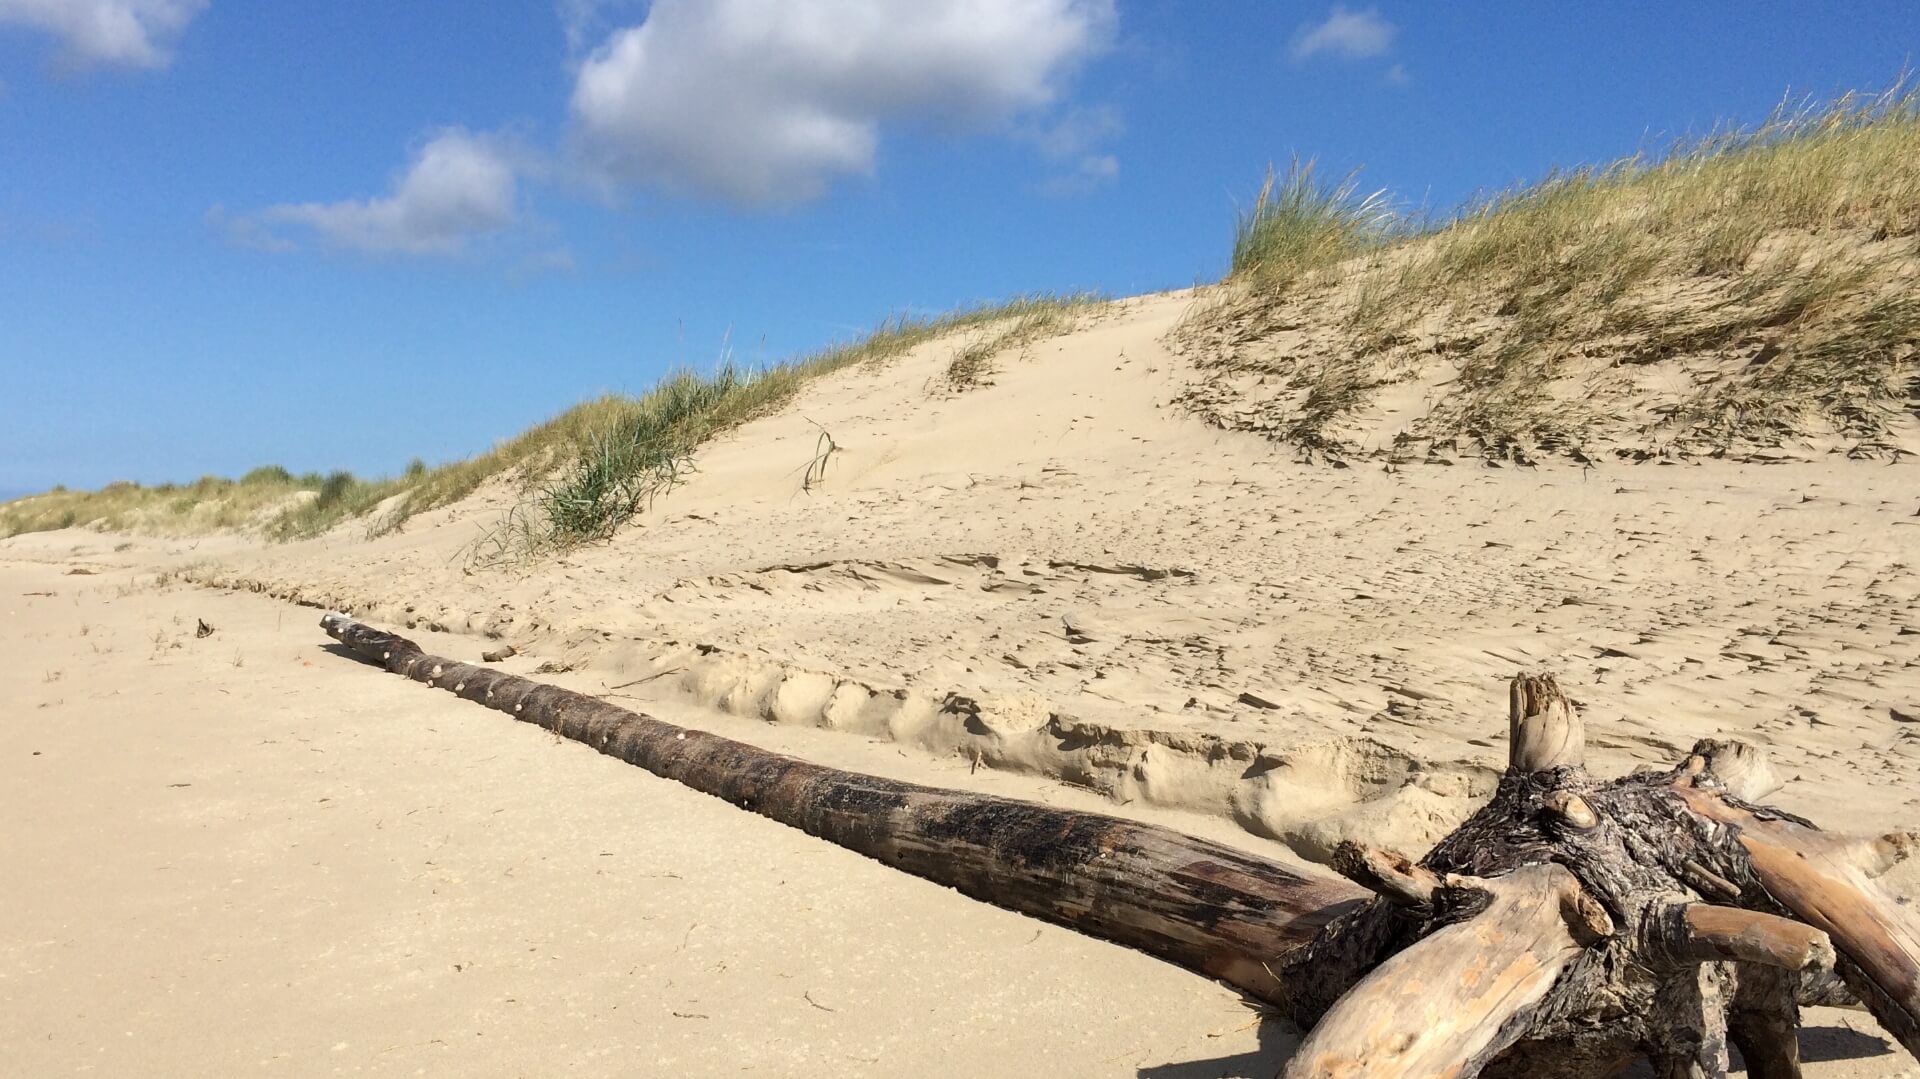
[[766, 102], [577, 20], [1351, 34], [458, 186], [584, 21], [130, 33]]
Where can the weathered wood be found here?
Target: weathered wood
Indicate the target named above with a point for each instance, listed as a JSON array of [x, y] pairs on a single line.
[[1203, 905], [1550, 936], [1703, 933], [1392, 875], [1647, 837], [1454, 1001], [1544, 730], [1825, 880], [1743, 769], [1571, 809], [1880, 854], [1765, 1023]]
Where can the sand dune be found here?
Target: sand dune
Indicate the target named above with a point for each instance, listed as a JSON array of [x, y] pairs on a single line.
[[1058, 584]]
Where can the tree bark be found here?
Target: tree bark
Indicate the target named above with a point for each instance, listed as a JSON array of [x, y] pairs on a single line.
[[1568, 927], [1203, 905]]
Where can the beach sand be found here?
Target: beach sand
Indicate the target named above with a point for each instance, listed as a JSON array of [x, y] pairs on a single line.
[[245, 854], [1056, 586]]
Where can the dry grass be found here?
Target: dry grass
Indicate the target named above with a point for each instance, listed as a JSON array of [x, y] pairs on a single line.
[[1024, 322], [642, 454], [1300, 226], [583, 473], [1766, 273], [206, 505]]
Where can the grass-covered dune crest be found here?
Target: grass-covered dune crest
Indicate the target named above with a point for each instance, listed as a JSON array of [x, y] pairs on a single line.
[[1748, 289], [1742, 292]]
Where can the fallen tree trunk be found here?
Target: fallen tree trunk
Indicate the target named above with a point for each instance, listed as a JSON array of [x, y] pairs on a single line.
[[1191, 901], [1569, 927]]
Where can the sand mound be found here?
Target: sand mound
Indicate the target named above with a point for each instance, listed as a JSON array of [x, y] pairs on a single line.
[[1064, 574]]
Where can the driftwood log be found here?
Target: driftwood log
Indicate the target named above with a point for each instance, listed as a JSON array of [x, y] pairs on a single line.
[[1570, 927]]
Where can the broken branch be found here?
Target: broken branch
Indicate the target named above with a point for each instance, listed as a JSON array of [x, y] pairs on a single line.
[[1704, 933], [1393, 875], [1455, 1000], [1822, 880], [1545, 732]]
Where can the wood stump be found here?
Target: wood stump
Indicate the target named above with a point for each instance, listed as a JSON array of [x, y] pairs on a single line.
[[1574, 924]]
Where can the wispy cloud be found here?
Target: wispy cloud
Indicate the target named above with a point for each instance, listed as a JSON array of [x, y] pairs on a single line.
[[1354, 35], [1086, 174], [587, 21], [124, 33], [458, 186], [1074, 144], [766, 102]]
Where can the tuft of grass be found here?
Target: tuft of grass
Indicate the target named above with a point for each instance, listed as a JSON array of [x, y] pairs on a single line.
[[646, 448], [1773, 263], [340, 496], [1299, 225], [620, 474], [1023, 323]]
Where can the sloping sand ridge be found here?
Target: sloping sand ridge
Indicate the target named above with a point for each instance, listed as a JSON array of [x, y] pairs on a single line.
[[1054, 577]]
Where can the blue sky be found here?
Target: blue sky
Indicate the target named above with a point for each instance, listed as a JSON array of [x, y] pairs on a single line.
[[344, 233]]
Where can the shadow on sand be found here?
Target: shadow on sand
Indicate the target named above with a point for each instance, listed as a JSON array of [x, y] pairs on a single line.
[[1278, 1040]]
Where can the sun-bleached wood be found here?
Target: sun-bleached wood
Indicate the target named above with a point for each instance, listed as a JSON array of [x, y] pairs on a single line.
[[1546, 937], [1545, 732], [1447, 1005], [1393, 875], [1824, 880], [1743, 769], [1704, 933]]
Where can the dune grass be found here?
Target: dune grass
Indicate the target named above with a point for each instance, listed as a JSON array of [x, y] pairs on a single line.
[[1784, 253], [1300, 225], [1030, 320], [642, 452], [582, 474], [208, 504]]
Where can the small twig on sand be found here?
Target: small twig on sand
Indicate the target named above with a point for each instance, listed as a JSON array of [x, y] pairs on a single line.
[[648, 678], [808, 996], [823, 448]]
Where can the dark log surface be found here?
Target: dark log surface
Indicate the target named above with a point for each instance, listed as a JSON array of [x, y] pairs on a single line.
[[1571, 925], [1203, 905]]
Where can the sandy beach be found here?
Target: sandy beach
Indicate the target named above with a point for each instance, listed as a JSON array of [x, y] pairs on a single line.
[[244, 854], [248, 852]]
